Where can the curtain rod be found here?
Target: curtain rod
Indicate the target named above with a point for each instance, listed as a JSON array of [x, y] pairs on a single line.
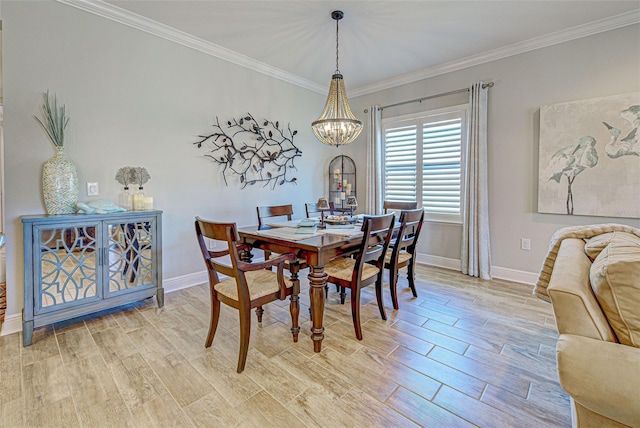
[[419, 100]]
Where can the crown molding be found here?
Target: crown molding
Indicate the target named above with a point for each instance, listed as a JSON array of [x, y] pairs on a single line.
[[569, 34], [114, 13]]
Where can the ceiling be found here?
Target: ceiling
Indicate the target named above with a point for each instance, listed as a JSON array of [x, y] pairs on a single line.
[[382, 43]]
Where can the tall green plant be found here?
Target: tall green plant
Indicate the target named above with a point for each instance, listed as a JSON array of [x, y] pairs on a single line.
[[55, 120]]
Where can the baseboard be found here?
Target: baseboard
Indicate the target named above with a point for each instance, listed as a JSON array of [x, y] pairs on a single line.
[[437, 261], [514, 275], [185, 281], [12, 324], [497, 272]]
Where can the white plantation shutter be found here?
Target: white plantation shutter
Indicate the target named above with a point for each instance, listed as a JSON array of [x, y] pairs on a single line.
[[400, 166], [423, 158], [441, 155]]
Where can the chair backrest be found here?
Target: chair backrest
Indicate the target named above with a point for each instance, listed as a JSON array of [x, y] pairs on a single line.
[[391, 205], [377, 234], [219, 232], [311, 208], [274, 211], [409, 231]]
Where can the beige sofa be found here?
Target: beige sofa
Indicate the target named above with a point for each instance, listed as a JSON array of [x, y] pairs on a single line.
[[601, 374]]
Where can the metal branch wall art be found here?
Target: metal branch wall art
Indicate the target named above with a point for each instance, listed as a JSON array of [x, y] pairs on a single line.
[[253, 152]]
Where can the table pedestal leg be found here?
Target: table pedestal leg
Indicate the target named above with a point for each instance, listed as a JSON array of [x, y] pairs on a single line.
[[294, 306], [317, 281]]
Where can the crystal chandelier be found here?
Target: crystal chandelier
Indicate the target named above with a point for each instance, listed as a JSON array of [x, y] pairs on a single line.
[[337, 126]]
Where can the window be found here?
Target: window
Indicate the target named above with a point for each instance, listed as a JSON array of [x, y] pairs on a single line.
[[423, 158]]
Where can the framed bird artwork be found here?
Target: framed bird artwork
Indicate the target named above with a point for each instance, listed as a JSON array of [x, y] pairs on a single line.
[[589, 157]]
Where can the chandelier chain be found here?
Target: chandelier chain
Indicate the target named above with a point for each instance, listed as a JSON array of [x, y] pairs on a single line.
[[337, 46]]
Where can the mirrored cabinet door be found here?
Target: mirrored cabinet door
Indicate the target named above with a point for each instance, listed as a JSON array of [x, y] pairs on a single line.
[[68, 265], [130, 255]]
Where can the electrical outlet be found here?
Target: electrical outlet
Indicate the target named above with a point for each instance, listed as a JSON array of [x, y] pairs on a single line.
[[92, 189], [525, 244], [212, 244]]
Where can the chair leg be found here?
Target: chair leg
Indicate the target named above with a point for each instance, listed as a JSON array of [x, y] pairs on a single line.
[[343, 295], [379, 298], [294, 308], [245, 332], [411, 276], [259, 312], [393, 284], [355, 311], [213, 324]]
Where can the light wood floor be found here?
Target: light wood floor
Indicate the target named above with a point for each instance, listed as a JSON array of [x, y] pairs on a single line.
[[465, 353]]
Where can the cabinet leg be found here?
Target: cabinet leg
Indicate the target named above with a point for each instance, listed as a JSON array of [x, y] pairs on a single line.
[[160, 297], [27, 333]]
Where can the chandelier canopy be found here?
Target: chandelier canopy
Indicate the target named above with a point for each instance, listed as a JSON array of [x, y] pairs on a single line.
[[337, 126]]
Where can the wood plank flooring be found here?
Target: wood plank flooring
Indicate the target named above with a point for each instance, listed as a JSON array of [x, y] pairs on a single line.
[[465, 353]]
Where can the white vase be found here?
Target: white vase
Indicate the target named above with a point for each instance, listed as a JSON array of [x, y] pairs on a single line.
[[126, 199], [60, 184]]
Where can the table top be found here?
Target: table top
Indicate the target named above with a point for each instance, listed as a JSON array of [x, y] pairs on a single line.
[[317, 248]]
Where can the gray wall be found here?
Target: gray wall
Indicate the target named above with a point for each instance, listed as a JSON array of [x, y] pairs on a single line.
[[136, 99], [604, 64]]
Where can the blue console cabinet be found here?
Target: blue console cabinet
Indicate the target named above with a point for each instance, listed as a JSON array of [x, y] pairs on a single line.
[[79, 264]]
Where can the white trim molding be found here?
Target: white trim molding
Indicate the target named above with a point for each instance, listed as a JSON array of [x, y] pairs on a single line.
[[122, 16], [514, 275], [496, 272], [569, 34], [185, 281], [437, 261], [12, 324]]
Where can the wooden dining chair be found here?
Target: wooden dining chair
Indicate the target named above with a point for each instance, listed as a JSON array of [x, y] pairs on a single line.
[[311, 209], [246, 286], [274, 211], [266, 212], [395, 206], [358, 273], [281, 211], [402, 251]]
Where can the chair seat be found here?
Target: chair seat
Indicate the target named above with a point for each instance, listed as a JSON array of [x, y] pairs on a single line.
[[402, 257], [260, 283], [342, 268]]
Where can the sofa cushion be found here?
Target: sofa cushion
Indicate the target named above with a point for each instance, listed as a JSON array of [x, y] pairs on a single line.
[[595, 245], [615, 279]]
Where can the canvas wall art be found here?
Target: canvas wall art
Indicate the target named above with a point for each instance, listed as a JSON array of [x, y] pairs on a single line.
[[589, 159]]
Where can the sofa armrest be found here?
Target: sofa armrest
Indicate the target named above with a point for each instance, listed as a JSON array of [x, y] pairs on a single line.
[[602, 376], [575, 306]]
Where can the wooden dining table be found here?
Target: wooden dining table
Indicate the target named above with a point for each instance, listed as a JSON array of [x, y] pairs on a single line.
[[316, 249]]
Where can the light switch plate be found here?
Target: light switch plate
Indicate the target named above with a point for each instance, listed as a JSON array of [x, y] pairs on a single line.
[[92, 189]]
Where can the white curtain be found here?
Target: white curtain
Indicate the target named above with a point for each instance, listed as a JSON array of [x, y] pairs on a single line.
[[374, 161], [476, 249]]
